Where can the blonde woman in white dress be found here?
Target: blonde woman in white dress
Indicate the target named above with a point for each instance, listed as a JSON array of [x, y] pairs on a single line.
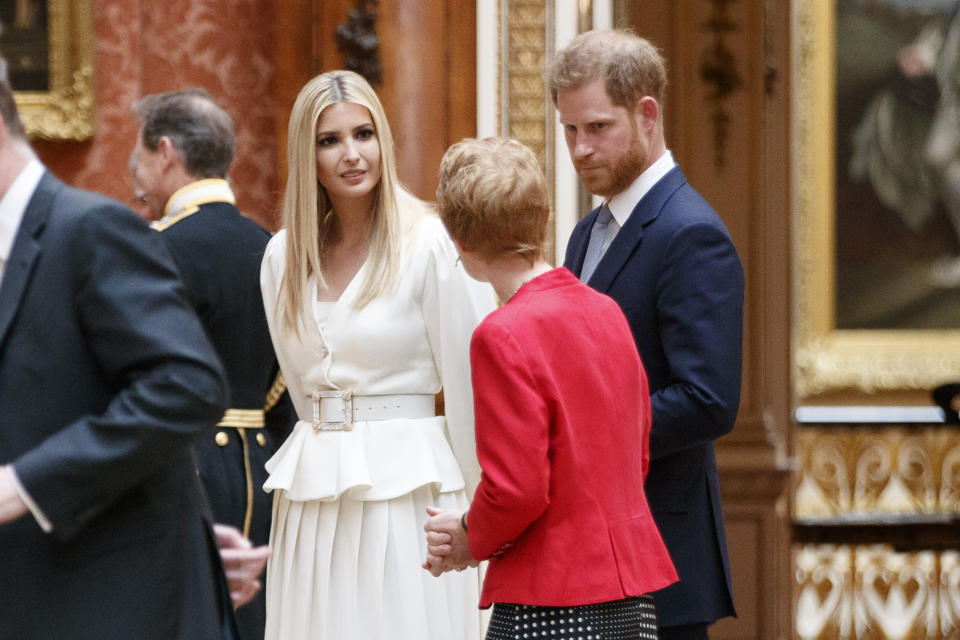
[[371, 316]]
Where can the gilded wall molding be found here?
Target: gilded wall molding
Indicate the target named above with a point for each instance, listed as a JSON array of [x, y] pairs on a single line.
[[529, 111], [526, 59], [66, 111], [859, 474], [827, 359], [853, 592]]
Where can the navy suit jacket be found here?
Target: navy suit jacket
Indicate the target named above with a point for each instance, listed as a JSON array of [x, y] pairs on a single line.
[[674, 271], [106, 378]]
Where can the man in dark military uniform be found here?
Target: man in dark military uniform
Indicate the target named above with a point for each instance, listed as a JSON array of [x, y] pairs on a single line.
[[183, 151]]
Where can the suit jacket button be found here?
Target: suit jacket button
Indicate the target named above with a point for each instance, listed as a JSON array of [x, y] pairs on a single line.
[[261, 440], [222, 438]]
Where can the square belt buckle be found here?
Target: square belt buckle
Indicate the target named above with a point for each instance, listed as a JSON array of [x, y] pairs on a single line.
[[346, 424]]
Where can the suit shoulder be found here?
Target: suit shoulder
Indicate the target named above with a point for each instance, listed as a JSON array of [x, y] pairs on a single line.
[[686, 211], [82, 201], [693, 205], [92, 214]]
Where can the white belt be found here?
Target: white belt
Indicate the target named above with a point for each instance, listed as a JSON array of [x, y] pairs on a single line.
[[338, 410]]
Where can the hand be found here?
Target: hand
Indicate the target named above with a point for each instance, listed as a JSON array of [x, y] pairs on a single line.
[[12, 505], [242, 563], [447, 544]]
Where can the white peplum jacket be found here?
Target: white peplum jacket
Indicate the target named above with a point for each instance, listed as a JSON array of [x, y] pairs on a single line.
[[414, 340]]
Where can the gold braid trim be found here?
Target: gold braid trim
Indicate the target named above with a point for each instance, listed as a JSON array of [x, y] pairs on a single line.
[[248, 476], [273, 396], [165, 223], [242, 419]]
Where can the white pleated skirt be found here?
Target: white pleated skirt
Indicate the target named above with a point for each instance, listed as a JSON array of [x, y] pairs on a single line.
[[351, 570]]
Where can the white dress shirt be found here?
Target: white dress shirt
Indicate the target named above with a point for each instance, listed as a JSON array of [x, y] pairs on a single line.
[[622, 204], [14, 204]]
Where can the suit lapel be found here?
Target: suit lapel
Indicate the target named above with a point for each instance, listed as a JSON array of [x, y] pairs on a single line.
[[25, 251], [630, 235]]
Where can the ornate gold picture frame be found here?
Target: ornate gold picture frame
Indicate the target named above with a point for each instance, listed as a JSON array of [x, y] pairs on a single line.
[[66, 110], [829, 361]]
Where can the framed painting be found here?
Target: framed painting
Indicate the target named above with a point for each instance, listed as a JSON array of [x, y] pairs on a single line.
[[48, 45], [877, 197]]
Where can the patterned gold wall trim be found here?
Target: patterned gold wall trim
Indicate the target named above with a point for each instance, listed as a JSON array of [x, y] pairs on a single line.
[[526, 57], [867, 592], [862, 473], [66, 111], [529, 110]]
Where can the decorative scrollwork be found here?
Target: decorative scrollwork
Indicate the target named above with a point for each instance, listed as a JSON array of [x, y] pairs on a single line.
[[860, 473], [69, 112], [357, 39], [66, 111], [718, 68], [848, 592]]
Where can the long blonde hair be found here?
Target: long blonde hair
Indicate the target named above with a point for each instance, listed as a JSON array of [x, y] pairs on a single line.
[[307, 213]]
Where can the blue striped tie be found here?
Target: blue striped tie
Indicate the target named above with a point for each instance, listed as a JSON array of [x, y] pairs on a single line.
[[595, 246]]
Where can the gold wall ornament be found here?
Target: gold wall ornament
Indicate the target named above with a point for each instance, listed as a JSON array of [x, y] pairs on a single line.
[[358, 41], [526, 58], [827, 359], [853, 592], [66, 110], [823, 591], [719, 70], [895, 594], [878, 472], [529, 113]]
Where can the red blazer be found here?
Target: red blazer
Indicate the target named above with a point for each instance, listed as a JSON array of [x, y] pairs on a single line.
[[562, 426]]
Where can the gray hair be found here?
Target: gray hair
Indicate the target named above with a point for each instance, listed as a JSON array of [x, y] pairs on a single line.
[[200, 130]]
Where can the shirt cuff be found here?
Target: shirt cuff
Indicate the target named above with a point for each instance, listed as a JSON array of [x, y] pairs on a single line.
[[38, 515]]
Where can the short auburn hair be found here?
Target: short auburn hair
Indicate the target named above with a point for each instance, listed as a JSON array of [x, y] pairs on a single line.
[[631, 67], [492, 197]]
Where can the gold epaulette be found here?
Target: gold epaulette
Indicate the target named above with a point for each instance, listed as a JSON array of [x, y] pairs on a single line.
[[165, 223], [273, 396]]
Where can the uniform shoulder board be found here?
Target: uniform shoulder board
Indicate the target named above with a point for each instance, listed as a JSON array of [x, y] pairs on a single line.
[[166, 223]]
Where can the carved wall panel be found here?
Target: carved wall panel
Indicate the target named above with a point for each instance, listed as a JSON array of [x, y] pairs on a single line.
[[527, 112], [858, 473], [872, 592], [526, 58]]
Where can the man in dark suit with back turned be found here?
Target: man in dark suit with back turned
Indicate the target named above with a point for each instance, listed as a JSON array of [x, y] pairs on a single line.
[[658, 249], [179, 163], [106, 378]]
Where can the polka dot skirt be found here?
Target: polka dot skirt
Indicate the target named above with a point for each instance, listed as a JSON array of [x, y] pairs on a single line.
[[628, 619]]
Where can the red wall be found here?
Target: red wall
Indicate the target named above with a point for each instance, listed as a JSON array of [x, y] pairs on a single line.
[[145, 46]]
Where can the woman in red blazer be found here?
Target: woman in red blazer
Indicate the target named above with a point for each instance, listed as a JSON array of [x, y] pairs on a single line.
[[562, 423]]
